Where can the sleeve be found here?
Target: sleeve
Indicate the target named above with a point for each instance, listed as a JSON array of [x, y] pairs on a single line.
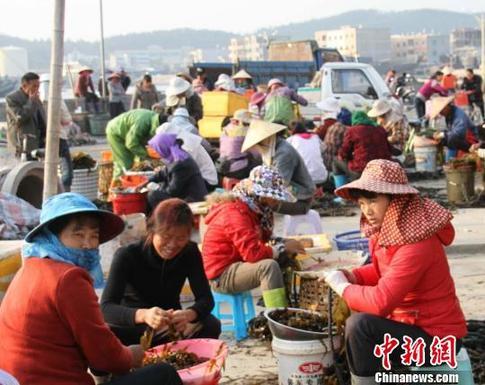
[[177, 181], [78, 307], [159, 177], [240, 229], [438, 88], [345, 152], [22, 112], [407, 266], [134, 99], [66, 117], [134, 139], [366, 275], [285, 164], [456, 136], [204, 302], [115, 313], [298, 98], [91, 85]]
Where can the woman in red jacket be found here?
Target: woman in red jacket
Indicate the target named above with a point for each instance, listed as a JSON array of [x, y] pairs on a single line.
[[407, 290], [51, 326], [236, 249]]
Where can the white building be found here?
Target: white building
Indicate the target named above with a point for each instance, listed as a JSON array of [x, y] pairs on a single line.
[[250, 47], [419, 48], [13, 61], [358, 43]]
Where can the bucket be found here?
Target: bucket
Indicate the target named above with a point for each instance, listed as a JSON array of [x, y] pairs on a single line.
[[85, 182], [132, 203], [97, 123], [460, 184], [425, 158], [303, 362]]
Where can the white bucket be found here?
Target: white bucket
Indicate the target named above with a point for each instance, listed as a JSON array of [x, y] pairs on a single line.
[[303, 362], [425, 158]]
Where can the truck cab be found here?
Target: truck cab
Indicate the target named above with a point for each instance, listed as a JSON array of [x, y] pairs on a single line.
[[355, 85]]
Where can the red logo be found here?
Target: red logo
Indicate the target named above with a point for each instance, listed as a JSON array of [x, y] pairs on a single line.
[[311, 367]]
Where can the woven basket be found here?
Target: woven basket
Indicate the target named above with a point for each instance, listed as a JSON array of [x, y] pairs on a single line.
[[85, 182], [313, 295], [105, 176]]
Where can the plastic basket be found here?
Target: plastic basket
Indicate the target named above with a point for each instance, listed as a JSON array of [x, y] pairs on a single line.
[[85, 182], [222, 103], [352, 240]]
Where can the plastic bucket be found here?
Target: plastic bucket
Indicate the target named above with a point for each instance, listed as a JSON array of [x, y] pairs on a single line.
[[460, 184], [425, 158], [132, 203], [134, 180], [303, 362]]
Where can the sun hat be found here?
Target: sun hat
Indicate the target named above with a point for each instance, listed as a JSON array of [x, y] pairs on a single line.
[[242, 115], [257, 98], [177, 86], [258, 131], [184, 76], [274, 81], [242, 74], [85, 68], [438, 103], [67, 204], [379, 108], [446, 70], [266, 182], [380, 176], [329, 104], [225, 82], [114, 75]]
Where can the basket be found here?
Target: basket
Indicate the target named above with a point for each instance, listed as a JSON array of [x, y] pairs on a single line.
[[352, 240], [97, 123], [85, 182], [105, 176], [313, 295]]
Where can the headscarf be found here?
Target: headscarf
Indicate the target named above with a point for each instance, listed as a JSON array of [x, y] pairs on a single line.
[[408, 219], [47, 245], [360, 118], [168, 148]]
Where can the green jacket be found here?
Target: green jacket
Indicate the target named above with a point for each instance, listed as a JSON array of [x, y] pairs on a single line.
[[135, 128]]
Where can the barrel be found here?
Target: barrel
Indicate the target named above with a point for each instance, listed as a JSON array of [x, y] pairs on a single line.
[[460, 183]]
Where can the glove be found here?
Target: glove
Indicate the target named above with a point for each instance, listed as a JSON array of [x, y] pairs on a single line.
[[337, 281]]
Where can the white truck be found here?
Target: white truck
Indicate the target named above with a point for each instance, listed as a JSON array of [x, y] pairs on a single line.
[[355, 85]]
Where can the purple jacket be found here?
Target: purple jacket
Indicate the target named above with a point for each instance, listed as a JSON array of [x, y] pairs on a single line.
[[429, 88], [288, 93], [230, 149]]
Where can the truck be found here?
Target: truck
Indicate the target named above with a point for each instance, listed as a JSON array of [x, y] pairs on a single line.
[[355, 85]]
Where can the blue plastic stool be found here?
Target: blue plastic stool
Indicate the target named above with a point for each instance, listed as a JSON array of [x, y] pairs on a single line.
[[463, 368], [242, 311]]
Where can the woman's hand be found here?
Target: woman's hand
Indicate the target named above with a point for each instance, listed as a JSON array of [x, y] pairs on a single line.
[[137, 354], [349, 275], [180, 318], [293, 247], [155, 317]]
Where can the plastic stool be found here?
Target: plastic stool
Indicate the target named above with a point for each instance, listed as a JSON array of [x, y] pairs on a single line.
[[291, 223], [463, 368], [242, 311], [229, 183]]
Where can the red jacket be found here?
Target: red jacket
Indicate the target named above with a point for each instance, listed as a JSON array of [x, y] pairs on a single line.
[[51, 327], [363, 144], [410, 284], [233, 235]]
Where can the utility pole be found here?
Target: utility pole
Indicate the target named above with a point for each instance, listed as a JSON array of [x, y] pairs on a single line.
[[101, 47], [54, 103], [482, 25]]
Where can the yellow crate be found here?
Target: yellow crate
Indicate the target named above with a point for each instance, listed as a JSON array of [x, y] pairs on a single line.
[[210, 126], [222, 103]]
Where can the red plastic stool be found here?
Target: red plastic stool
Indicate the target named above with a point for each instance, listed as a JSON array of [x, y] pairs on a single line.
[[229, 183]]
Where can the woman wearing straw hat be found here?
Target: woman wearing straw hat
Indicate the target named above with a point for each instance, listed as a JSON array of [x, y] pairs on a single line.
[[265, 138], [116, 94], [407, 290], [244, 83], [236, 248], [180, 94], [84, 89], [279, 102], [461, 133], [51, 325]]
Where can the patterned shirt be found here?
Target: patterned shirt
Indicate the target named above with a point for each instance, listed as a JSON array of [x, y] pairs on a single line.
[[334, 139]]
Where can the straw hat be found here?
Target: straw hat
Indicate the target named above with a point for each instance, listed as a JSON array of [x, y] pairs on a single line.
[[258, 131], [177, 86], [382, 177], [274, 81], [225, 82], [379, 108], [243, 115], [438, 103], [114, 75], [329, 104], [85, 68], [446, 70], [242, 74]]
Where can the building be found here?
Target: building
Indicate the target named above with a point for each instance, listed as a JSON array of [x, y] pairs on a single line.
[[13, 61], [365, 44], [465, 37], [420, 48], [250, 47]]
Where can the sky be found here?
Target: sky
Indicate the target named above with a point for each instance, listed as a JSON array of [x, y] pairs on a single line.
[[32, 19]]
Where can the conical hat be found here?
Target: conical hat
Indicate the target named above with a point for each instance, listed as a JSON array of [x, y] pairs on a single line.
[[258, 131], [438, 103], [242, 75]]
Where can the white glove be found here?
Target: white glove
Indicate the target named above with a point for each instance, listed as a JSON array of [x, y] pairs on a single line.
[[337, 281]]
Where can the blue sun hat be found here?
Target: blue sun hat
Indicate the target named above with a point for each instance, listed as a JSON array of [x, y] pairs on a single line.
[[65, 204]]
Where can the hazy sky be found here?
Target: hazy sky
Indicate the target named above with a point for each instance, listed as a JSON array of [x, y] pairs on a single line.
[[32, 18]]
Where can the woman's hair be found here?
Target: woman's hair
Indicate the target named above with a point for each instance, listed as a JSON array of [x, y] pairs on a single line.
[[356, 194], [169, 213], [436, 74], [81, 219], [297, 126], [147, 78]]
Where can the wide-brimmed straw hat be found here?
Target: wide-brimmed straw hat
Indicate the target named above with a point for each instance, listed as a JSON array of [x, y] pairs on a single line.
[[382, 177], [243, 115], [177, 86], [274, 81], [379, 108], [70, 204], [85, 68], [438, 103], [329, 104], [258, 131], [447, 70], [225, 82], [242, 74]]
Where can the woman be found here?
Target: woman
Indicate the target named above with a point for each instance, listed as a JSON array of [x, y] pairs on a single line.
[[236, 249], [116, 94], [309, 147], [146, 94], [146, 279], [51, 326], [408, 289], [429, 88], [266, 139], [180, 178]]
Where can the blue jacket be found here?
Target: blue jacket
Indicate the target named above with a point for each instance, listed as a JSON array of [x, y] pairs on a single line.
[[458, 125]]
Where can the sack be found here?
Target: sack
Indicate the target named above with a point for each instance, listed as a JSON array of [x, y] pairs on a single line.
[[279, 109]]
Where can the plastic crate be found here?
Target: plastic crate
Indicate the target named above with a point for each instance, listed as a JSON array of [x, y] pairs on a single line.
[[210, 126], [221, 103], [352, 240]]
